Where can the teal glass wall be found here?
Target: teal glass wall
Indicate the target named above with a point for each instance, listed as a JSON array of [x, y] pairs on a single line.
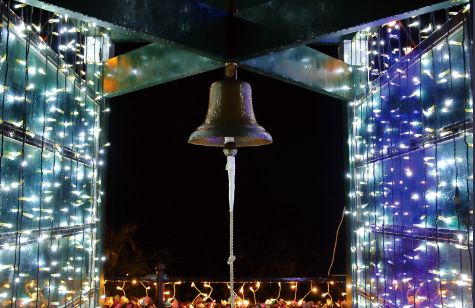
[[411, 147], [49, 168]]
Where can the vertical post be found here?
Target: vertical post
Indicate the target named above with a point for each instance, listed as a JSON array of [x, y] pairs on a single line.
[[347, 54], [160, 270], [471, 31], [348, 222]]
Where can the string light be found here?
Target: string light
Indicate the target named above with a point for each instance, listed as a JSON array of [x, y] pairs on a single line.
[[200, 293], [148, 288], [295, 288], [48, 161], [117, 285], [408, 130], [258, 285], [241, 290], [122, 289], [206, 285], [312, 289], [174, 289]]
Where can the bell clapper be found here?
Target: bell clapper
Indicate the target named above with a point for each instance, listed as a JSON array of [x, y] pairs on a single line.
[[230, 150]]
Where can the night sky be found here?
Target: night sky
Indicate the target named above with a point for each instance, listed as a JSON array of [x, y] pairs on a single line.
[[289, 195]]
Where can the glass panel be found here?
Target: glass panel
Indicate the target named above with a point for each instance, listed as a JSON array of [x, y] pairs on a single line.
[[49, 254], [411, 148]]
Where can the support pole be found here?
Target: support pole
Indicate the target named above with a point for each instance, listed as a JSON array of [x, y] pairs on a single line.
[[471, 31], [160, 271]]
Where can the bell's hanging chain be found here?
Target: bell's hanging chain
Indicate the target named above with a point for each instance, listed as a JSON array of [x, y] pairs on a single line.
[[230, 151]]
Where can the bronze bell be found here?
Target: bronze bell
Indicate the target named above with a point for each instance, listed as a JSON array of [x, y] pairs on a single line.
[[230, 114]]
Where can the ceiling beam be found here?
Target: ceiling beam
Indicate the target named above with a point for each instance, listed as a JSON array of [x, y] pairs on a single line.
[[240, 4], [271, 26], [307, 68], [155, 64], [152, 65], [187, 24], [297, 22]]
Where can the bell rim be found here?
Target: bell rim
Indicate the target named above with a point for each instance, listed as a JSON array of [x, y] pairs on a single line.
[[244, 136], [238, 141]]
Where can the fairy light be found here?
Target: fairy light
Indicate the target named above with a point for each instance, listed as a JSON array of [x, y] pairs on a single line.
[[280, 289], [241, 290], [258, 285], [405, 165], [200, 293], [295, 288], [121, 288], [312, 290], [208, 285], [115, 286], [41, 87], [174, 289]]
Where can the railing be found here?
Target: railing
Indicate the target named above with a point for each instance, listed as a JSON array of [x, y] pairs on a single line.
[[209, 292]]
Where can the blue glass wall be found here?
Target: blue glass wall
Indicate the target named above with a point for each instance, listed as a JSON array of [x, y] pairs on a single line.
[[411, 147], [49, 178]]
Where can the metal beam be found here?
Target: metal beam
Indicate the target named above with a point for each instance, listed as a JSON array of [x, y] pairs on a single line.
[[271, 26], [155, 64], [240, 4], [187, 24], [307, 68], [152, 65], [297, 22]]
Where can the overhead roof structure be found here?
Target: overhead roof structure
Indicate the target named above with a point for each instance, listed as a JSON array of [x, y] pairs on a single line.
[[268, 37], [278, 39]]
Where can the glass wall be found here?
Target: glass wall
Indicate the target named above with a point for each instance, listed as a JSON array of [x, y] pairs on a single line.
[[49, 166], [411, 147]]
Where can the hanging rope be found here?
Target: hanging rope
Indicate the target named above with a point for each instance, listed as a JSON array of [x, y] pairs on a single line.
[[230, 151]]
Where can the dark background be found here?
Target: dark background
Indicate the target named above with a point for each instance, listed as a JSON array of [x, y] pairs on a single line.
[[289, 195]]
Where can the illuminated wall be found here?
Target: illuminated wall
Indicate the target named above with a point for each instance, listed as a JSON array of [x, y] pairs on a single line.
[[49, 179], [411, 147]]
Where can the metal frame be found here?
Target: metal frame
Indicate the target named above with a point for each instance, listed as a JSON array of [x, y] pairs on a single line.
[[271, 26], [307, 68], [16, 133], [316, 279], [471, 29], [56, 233], [266, 37], [151, 65], [298, 22]]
